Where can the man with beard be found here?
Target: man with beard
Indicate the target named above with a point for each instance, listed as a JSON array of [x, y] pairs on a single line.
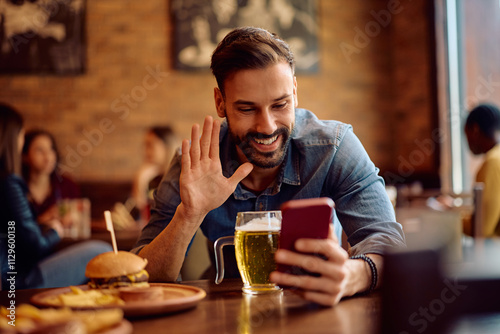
[[267, 152]]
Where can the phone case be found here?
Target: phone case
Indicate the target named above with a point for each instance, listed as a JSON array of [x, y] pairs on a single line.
[[304, 218]]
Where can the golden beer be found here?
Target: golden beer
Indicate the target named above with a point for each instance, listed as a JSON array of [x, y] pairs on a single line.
[[256, 240], [255, 257]]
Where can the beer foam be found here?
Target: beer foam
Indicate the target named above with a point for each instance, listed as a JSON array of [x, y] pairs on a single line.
[[261, 224]]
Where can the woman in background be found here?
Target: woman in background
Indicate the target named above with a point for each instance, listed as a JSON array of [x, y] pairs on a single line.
[[160, 143], [39, 168], [31, 255]]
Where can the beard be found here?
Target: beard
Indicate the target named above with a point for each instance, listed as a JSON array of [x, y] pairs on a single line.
[[258, 158]]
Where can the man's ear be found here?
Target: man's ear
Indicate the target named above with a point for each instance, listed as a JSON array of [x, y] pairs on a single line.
[[220, 104]]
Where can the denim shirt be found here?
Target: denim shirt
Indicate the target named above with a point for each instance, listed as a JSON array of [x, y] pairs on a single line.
[[324, 159]]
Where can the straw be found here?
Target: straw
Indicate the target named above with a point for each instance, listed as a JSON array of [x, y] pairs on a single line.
[[109, 227]]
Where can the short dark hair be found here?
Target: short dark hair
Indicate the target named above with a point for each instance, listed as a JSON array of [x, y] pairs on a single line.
[[11, 124], [248, 48], [487, 117]]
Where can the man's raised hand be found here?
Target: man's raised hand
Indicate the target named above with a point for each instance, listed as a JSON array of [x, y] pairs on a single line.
[[203, 187]]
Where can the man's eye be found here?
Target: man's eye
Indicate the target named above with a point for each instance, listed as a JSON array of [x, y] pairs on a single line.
[[246, 109], [280, 106]]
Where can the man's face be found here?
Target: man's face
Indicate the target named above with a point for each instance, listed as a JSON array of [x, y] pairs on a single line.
[[260, 109]]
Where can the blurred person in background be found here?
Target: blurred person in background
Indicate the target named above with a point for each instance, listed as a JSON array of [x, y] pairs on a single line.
[[45, 184], [36, 263], [482, 130], [160, 143]]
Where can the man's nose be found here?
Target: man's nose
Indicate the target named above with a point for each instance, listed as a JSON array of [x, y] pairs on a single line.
[[266, 123]]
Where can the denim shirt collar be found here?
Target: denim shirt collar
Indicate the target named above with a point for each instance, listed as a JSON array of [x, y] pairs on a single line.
[[289, 172]]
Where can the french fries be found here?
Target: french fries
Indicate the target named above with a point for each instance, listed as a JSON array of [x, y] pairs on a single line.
[[83, 298], [31, 319]]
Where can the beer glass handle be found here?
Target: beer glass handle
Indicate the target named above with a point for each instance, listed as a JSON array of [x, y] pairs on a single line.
[[219, 256]]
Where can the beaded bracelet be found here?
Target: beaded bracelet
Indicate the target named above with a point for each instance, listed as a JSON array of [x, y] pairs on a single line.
[[373, 269]]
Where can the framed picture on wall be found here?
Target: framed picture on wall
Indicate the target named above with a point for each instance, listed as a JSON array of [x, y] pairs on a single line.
[[200, 25], [42, 36]]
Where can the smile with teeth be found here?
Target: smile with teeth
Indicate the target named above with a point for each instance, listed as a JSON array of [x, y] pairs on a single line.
[[268, 141]]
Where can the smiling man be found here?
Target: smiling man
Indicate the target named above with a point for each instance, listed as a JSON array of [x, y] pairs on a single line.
[[259, 106], [266, 152]]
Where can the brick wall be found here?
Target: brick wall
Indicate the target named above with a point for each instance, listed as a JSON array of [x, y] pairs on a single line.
[[379, 83]]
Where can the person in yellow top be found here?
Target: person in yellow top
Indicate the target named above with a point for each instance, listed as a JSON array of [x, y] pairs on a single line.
[[482, 129]]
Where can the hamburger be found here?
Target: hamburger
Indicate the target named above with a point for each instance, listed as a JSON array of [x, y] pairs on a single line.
[[117, 270]]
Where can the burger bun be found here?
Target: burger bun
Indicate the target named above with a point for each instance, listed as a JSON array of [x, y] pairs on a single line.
[[111, 264]]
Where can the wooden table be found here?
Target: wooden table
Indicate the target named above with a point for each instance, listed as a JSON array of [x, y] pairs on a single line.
[[227, 310]]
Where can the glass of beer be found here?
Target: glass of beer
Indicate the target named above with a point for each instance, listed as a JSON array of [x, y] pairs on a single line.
[[256, 241]]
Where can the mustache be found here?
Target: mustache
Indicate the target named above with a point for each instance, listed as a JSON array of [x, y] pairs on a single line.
[[258, 135]]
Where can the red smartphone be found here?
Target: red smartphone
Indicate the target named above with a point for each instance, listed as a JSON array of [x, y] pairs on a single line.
[[304, 218]]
